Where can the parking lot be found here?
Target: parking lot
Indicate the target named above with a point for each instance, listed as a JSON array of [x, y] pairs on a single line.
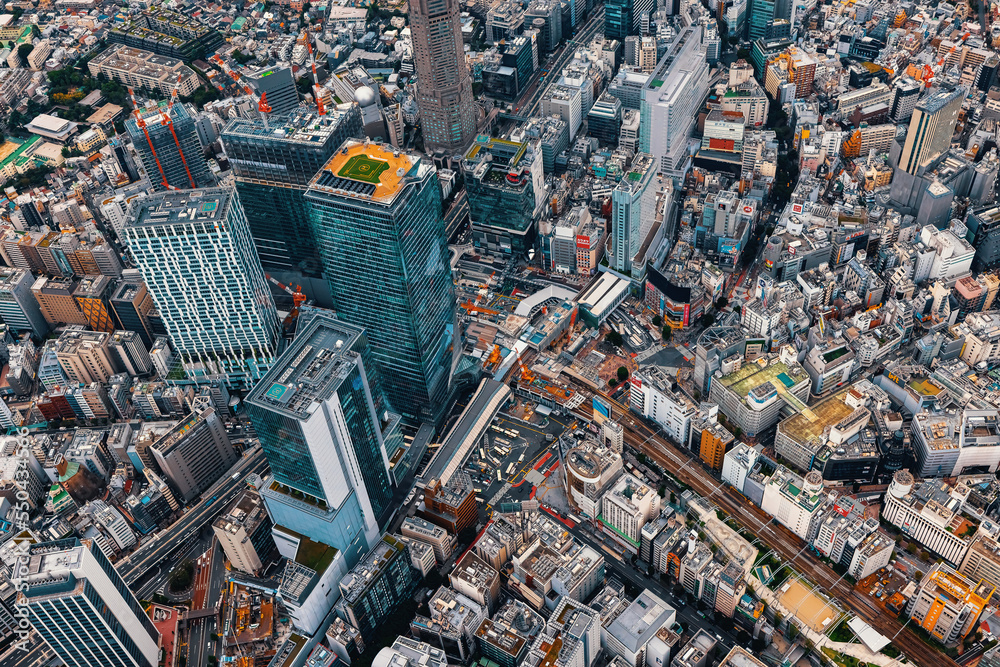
[[514, 448]]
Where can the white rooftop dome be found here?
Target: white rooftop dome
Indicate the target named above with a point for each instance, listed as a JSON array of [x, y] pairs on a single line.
[[365, 96]]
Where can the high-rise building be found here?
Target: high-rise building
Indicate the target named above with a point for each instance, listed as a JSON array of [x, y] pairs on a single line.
[[82, 608], [376, 587], [18, 307], [195, 453], [279, 86], [632, 203], [83, 355], [171, 154], [215, 303], [444, 87], [931, 127], [129, 353], [93, 295], [55, 300], [273, 170], [671, 99], [244, 532], [604, 120], [322, 422], [624, 17], [905, 91], [505, 184], [761, 18], [376, 209], [132, 303]]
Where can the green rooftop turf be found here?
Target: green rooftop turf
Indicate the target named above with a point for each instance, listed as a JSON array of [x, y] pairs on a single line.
[[363, 168]]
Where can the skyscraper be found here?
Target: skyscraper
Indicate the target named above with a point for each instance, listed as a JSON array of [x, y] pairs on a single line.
[[132, 304], [174, 157], [623, 17], [632, 203], [273, 170], [322, 423], [198, 261], [671, 99], [905, 92], [931, 128], [761, 18], [505, 184], [82, 608], [376, 212], [18, 307], [444, 87], [279, 86]]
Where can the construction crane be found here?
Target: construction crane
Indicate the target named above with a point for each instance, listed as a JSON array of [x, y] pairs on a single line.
[[261, 101], [320, 107], [298, 298], [142, 124], [472, 308], [168, 122]]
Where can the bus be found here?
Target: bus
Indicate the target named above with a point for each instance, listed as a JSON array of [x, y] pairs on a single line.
[[521, 460], [510, 469], [498, 475], [573, 517]]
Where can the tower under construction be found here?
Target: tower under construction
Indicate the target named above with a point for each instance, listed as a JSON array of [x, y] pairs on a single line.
[[168, 147]]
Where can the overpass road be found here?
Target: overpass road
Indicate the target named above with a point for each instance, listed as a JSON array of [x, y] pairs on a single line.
[[145, 559]]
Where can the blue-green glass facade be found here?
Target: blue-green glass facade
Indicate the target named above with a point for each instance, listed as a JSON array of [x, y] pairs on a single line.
[[386, 261], [323, 426], [761, 17], [273, 165]]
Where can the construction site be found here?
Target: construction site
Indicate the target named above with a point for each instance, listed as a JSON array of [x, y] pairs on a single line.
[[249, 635]]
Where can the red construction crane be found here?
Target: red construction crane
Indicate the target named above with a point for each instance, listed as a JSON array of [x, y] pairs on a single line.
[[298, 298], [320, 108], [261, 101], [142, 124], [170, 123]]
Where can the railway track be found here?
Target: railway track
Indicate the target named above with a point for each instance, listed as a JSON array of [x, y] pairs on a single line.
[[778, 538]]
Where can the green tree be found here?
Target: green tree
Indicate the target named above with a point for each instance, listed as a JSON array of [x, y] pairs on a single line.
[[657, 320], [24, 50], [722, 302], [181, 577], [614, 338], [666, 332], [622, 373], [743, 53]]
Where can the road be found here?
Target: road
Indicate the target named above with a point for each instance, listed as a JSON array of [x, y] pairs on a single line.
[[686, 615], [210, 576], [563, 55], [145, 558], [148, 558], [782, 541]]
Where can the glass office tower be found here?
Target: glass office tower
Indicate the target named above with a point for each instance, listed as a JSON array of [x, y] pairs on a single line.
[[323, 423], [273, 165], [82, 608], [376, 212], [174, 156]]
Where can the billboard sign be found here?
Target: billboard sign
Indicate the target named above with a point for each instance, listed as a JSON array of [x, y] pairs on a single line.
[[602, 409]]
